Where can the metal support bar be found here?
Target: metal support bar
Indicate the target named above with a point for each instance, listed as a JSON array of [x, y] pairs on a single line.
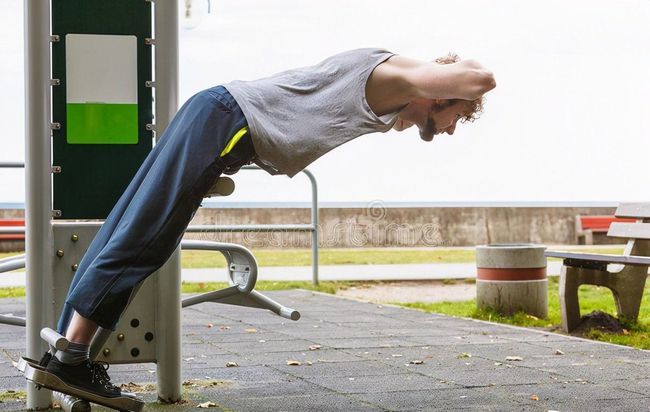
[[312, 227], [37, 181], [9, 319], [242, 268], [12, 263], [9, 165], [168, 351], [249, 228]]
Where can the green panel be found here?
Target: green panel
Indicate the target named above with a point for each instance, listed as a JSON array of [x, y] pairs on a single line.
[[93, 176], [93, 123]]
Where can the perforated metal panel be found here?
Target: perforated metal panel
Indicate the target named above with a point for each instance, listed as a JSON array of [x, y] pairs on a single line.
[[135, 338]]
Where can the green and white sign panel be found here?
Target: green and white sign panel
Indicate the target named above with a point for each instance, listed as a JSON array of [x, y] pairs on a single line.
[[101, 89]]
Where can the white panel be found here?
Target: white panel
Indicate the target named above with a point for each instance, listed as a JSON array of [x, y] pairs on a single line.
[[101, 68]]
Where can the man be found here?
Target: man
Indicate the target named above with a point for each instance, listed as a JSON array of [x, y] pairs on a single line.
[[282, 123]]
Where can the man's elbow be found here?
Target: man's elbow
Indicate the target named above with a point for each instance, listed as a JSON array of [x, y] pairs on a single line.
[[483, 82]]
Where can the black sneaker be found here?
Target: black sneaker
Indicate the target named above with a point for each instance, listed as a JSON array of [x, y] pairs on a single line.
[[45, 359], [88, 376]]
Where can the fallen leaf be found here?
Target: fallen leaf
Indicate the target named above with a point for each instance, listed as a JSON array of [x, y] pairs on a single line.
[[250, 330], [416, 362], [293, 363], [626, 332], [207, 404], [210, 325], [498, 363], [309, 363], [558, 352], [534, 397], [514, 358], [231, 364], [463, 355], [314, 347]]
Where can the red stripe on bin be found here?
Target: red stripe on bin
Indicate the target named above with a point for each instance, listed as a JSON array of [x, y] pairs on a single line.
[[511, 274]]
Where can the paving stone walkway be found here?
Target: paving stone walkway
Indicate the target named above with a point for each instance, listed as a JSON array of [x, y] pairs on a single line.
[[375, 358]]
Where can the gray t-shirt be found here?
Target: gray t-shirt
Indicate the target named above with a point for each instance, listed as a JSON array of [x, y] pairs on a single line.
[[298, 115]]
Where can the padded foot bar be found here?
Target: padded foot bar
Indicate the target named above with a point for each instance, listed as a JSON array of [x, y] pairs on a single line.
[[242, 271]]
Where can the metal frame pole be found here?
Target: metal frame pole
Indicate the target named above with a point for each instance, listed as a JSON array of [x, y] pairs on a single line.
[[38, 207], [314, 222], [168, 314]]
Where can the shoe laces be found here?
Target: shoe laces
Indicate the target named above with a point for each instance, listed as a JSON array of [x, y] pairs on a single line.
[[100, 375]]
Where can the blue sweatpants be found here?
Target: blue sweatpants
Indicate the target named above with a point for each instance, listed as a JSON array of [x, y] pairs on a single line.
[[148, 221]]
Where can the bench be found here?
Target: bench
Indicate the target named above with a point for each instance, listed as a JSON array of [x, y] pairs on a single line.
[[586, 226], [12, 223], [625, 275]]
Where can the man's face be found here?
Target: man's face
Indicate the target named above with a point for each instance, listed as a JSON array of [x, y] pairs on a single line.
[[432, 116]]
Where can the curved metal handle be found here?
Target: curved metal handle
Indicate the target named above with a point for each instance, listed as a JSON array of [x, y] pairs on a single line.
[[232, 252]]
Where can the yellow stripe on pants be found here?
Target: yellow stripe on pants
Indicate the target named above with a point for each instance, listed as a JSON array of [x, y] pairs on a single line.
[[233, 141]]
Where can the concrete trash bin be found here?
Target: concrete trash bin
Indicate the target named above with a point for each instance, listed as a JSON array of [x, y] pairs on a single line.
[[511, 278]]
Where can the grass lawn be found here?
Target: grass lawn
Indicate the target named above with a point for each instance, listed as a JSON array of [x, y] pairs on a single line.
[[591, 298], [368, 256]]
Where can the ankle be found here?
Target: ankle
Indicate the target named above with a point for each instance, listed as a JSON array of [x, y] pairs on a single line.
[[75, 354]]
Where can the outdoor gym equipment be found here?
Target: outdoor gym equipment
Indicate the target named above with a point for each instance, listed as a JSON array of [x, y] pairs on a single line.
[[89, 125]]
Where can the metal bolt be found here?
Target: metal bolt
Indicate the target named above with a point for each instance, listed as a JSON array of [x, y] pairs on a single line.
[[74, 237], [106, 352], [59, 253], [120, 337], [75, 267]]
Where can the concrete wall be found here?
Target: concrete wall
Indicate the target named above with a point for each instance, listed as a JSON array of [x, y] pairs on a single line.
[[407, 227]]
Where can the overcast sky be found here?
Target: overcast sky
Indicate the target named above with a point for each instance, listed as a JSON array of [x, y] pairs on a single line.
[[568, 121]]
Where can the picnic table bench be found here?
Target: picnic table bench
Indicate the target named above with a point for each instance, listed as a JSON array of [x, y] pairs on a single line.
[[625, 275], [12, 223], [587, 225]]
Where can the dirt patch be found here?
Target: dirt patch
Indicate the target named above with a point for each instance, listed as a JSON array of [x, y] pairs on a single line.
[[412, 291], [600, 321]]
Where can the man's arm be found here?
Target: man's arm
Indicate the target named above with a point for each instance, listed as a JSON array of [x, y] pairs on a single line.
[[399, 80]]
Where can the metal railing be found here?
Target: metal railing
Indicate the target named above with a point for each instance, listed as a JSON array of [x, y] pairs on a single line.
[[10, 165], [311, 227]]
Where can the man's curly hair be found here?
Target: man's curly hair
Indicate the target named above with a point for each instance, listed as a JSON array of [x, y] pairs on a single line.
[[477, 105]]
